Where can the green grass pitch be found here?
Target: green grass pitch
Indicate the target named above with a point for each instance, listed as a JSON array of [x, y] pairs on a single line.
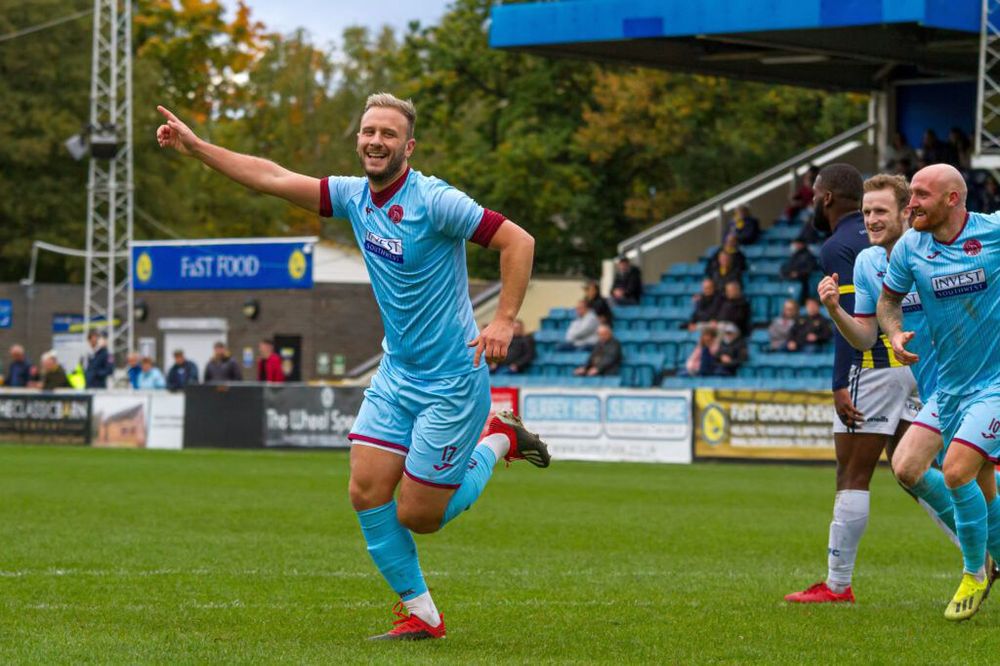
[[256, 557]]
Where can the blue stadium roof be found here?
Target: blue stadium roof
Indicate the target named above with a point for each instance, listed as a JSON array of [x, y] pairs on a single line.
[[848, 44]]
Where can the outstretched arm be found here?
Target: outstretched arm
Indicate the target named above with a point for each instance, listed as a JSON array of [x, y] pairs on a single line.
[[253, 172], [517, 251], [860, 332], [890, 318]]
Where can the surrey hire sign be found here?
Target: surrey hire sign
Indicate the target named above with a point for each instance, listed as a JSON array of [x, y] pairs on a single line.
[[223, 264]]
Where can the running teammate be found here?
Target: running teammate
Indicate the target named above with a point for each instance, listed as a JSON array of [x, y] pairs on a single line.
[[871, 390], [428, 401], [952, 257]]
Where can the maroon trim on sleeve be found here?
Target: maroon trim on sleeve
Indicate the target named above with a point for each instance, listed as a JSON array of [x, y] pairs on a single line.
[[964, 222], [382, 197], [892, 291], [325, 206], [487, 228], [863, 315]]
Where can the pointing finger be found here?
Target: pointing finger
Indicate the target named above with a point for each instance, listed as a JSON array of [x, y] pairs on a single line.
[[166, 113]]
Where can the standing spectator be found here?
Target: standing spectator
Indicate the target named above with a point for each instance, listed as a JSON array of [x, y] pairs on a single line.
[[744, 226], [134, 368], [735, 309], [520, 353], [606, 358], [810, 331], [150, 376], [732, 352], [19, 368], [706, 304], [269, 363], [800, 265], [627, 287], [802, 198], [932, 150], [100, 366], [989, 196], [182, 373], [52, 375], [597, 303], [222, 367], [703, 362], [780, 330], [582, 332], [960, 150]]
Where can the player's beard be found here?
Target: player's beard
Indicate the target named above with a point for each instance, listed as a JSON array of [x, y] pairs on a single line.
[[820, 221], [385, 176]]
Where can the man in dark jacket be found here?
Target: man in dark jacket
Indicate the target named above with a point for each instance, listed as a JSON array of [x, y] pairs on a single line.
[[627, 287], [19, 368], [706, 304], [606, 358], [732, 352], [800, 265], [100, 366], [182, 372], [811, 330], [744, 225], [735, 309], [222, 367], [520, 353]]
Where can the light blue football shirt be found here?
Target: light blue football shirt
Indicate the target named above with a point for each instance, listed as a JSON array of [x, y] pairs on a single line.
[[412, 236], [959, 287], [869, 271]]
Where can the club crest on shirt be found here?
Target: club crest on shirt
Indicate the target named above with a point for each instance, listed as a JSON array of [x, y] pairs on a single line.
[[959, 284], [972, 247], [911, 302], [395, 213], [386, 248]]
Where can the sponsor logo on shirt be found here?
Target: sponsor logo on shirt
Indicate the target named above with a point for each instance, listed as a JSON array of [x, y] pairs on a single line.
[[911, 302], [959, 284], [395, 213], [934, 254], [972, 247], [386, 248]]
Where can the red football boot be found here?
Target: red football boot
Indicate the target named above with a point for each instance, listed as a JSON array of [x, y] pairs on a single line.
[[410, 628], [820, 594], [524, 445]]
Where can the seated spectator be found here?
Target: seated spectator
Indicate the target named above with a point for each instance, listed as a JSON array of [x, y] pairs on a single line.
[[19, 369], [597, 303], [904, 167], [780, 330], [800, 265], [606, 358], [520, 353], [627, 287], [182, 372], [933, 150], [151, 377], [52, 375], [134, 365], [703, 360], [731, 246], [222, 367], [899, 150], [989, 196], [802, 197], [723, 270], [582, 332], [810, 331], [735, 309], [960, 149], [732, 352], [706, 304], [744, 226]]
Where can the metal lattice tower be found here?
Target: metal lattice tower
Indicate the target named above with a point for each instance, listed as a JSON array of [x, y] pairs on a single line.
[[108, 286], [987, 155]]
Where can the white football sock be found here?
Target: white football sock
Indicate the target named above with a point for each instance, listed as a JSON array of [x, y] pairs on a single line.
[[423, 607], [497, 443], [850, 518]]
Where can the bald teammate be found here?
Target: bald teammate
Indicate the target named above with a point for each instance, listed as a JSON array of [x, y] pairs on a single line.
[[952, 259]]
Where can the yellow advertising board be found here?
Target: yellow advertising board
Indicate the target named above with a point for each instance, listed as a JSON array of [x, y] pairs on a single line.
[[767, 425]]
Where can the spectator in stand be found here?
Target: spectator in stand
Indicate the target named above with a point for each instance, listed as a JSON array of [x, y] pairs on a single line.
[[780, 330], [52, 375], [269, 363], [800, 265], [222, 367], [735, 309], [582, 332], [960, 150], [627, 287], [703, 360], [732, 352], [810, 331], [900, 149], [134, 364], [744, 226], [706, 304], [597, 303], [100, 365], [989, 196], [606, 358], [182, 373], [150, 377], [18, 369], [731, 246], [932, 150], [724, 268], [802, 198], [904, 167], [520, 353]]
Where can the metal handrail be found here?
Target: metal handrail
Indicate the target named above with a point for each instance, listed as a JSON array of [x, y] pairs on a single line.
[[367, 365], [710, 205]]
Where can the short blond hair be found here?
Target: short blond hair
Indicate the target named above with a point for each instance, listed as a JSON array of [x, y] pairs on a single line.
[[389, 101], [884, 181]]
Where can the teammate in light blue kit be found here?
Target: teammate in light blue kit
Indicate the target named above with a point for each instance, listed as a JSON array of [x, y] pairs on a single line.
[[952, 257], [427, 404]]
